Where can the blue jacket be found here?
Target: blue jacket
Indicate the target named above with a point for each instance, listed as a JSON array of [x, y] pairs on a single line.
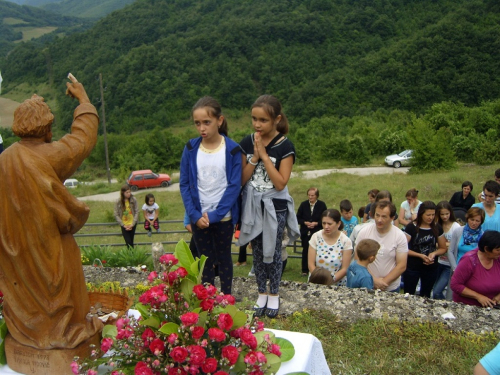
[[189, 182]]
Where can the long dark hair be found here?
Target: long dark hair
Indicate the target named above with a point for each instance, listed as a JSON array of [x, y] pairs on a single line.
[[123, 189], [444, 205], [273, 108], [427, 205], [333, 214], [213, 107]]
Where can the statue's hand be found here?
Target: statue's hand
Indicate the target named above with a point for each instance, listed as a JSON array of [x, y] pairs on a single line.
[[76, 90]]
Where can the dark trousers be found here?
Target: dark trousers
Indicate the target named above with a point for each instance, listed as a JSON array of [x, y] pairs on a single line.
[[427, 276], [215, 243], [147, 225], [242, 255], [128, 236], [305, 251]]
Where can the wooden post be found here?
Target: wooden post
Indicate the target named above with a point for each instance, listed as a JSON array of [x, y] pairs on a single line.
[[104, 130]]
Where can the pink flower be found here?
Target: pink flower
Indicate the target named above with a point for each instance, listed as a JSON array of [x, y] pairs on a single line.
[[181, 271], [221, 373], [215, 334], [172, 277], [141, 368], [74, 367], [230, 353], [154, 296], [209, 366], [193, 370], [248, 338], [91, 372], [179, 354], [197, 355], [274, 349], [152, 276], [261, 358], [200, 291], [225, 321], [251, 358], [106, 344], [120, 323], [236, 332], [207, 304], [197, 332], [172, 338], [157, 347], [189, 319], [230, 300], [256, 372], [177, 371], [148, 335], [169, 259], [211, 290], [260, 326], [124, 333]]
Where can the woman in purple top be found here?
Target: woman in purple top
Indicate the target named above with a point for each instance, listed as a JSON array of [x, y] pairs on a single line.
[[476, 280]]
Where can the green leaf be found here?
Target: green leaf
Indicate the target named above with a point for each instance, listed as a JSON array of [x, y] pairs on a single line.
[[183, 254], [109, 330], [274, 363], [142, 309], [297, 373], [286, 348], [3, 359], [3, 329], [203, 318], [169, 328], [260, 336], [187, 288], [239, 319], [151, 322], [203, 260], [195, 271], [240, 364]]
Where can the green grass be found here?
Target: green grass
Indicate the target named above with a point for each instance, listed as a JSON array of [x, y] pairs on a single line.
[[389, 347], [33, 32]]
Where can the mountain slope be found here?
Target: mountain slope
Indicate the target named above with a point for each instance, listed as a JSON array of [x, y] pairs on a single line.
[[320, 57], [86, 8]]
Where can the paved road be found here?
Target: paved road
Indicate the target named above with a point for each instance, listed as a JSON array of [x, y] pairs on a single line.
[[112, 197]]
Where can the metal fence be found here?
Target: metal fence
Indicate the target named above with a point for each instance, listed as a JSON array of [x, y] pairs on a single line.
[[183, 233]]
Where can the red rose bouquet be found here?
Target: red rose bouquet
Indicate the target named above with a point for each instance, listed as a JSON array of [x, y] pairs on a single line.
[[186, 328]]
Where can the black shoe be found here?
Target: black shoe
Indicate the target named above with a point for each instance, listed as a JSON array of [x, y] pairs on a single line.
[[273, 313], [259, 311]]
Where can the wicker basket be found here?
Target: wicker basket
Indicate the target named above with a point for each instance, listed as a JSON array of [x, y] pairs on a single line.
[[119, 303]]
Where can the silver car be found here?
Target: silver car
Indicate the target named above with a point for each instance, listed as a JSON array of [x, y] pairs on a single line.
[[397, 160]]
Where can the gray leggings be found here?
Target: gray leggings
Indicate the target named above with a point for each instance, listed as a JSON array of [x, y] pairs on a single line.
[[269, 271]]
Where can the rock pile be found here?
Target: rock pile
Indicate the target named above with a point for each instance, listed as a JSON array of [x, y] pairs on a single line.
[[348, 304]]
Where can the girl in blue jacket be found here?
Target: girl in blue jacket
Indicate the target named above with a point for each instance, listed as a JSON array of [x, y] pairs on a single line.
[[210, 182]]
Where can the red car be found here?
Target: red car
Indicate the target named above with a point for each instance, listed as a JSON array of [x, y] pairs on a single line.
[[147, 179]]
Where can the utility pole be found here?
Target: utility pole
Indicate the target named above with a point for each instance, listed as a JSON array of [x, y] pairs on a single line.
[[108, 172]]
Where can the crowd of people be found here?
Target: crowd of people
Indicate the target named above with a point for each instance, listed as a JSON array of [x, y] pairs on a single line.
[[419, 247]]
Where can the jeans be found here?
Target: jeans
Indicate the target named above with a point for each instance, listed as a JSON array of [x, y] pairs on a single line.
[[443, 279], [128, 236]]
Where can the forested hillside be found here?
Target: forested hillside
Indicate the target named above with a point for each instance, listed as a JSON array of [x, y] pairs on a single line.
[[15, 19], [94, 9], [355, 67]]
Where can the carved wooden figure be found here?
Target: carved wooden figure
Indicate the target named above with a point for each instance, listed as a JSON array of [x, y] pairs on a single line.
[[46, 301]]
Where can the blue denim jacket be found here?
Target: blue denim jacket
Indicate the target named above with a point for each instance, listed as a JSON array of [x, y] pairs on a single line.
[[189, 182]]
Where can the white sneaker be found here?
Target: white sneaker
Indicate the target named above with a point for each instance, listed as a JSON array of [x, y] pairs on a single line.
[[149, 233], [251, 274]]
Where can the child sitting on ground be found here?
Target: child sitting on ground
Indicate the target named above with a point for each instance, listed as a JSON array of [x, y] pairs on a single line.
[[321, 276], [349, 220], [357, 273]]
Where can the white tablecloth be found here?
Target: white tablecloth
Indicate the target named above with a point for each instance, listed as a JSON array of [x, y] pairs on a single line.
[[309, 356]]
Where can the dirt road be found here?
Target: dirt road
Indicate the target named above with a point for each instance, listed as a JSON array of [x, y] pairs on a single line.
[[111, 197]]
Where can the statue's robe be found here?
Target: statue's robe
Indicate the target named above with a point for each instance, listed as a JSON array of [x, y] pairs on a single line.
[[41, 276]]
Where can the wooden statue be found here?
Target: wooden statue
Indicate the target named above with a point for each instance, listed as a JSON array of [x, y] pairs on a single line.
[[46, 301]]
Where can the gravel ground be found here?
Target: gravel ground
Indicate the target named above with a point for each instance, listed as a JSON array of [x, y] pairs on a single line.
[[348, 304]]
